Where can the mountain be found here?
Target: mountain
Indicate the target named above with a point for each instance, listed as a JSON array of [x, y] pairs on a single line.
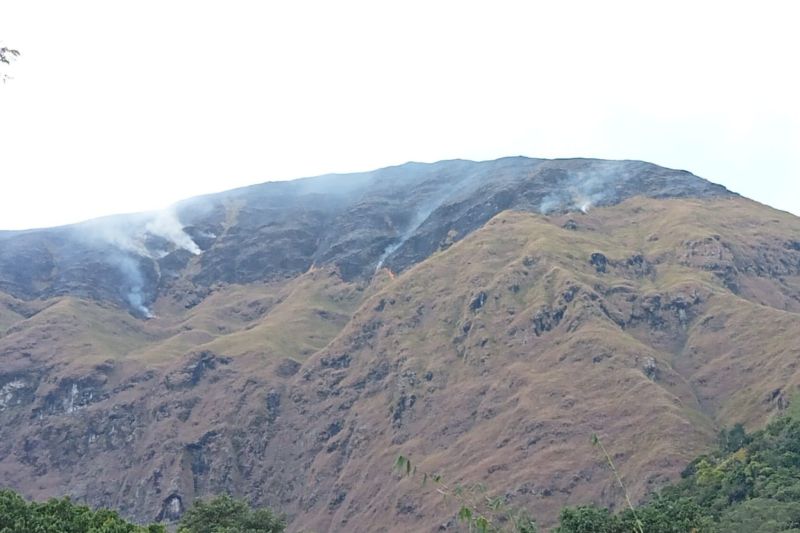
[[285, 342]]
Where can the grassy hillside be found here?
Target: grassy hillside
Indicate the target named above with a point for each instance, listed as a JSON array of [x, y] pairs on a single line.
[[292, 318], [517, 343], [653, 323]]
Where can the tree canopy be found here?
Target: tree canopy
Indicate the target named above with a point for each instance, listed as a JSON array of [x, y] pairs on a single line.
[[224, 514], [62, 516], [219, 515], [750, 483]]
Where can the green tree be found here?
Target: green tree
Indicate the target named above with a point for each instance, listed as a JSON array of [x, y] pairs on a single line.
[[62, 516], [732, 439], [224, 514], [586, 519]]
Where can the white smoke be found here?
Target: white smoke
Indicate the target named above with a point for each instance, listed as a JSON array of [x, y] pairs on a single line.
[[582, 203], [129, 235], [134, 290], [117, 233], [165, 224], [438, 196], [584, 188], [419, 219]]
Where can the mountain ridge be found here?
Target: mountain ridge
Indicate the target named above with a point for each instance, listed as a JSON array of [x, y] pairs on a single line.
[[395, 216]]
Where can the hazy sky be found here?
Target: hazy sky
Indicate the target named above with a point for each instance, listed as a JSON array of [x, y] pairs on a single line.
[[128, 106]]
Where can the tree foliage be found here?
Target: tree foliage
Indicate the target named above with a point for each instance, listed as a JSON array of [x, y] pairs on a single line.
[[224, 514], [62, 516], [219, 515], [750, 483]]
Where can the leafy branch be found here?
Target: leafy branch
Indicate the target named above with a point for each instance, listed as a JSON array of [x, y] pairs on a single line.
[[7, 55]]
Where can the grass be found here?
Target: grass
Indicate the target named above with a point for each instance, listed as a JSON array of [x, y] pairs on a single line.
[[500, 377], [501, 401], [293, 319]]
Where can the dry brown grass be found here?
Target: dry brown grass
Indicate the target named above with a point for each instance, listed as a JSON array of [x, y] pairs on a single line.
[[505, 394]]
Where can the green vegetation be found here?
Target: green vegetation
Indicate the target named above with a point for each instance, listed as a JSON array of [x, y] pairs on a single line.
[[749, 484], [223, 514], [61, 516]]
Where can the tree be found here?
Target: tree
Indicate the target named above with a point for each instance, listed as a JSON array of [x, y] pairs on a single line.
[[62, 516], [224, 514], [733, 439], [586, 519]]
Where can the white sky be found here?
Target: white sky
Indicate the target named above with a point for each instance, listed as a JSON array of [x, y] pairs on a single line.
[[128, 106]]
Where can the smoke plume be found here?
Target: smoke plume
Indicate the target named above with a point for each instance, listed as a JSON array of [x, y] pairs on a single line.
[[419, 219], [165, 224], [128, 240], [134, 288], [584, 188]]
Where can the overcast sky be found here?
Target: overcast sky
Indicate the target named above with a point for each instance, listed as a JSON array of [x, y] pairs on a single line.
[[129, 106]]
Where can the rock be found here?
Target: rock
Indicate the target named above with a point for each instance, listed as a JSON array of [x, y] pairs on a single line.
[[403, 404], [650, 368], [339, 361], [171, 509], [16, 390], [478, 301], [273, 402], [287, 368], [332, 430], [546, 319], [599, 262], [570, 225], [638, 266]]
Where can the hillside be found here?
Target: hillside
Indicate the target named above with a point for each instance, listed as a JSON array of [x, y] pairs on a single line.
[[287, 341], [747, 484]]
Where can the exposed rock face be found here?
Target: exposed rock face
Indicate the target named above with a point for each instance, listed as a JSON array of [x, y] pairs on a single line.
[[279, 365]]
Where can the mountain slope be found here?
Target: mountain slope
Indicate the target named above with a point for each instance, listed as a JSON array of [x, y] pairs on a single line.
[[508, 392], [501, 328]]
